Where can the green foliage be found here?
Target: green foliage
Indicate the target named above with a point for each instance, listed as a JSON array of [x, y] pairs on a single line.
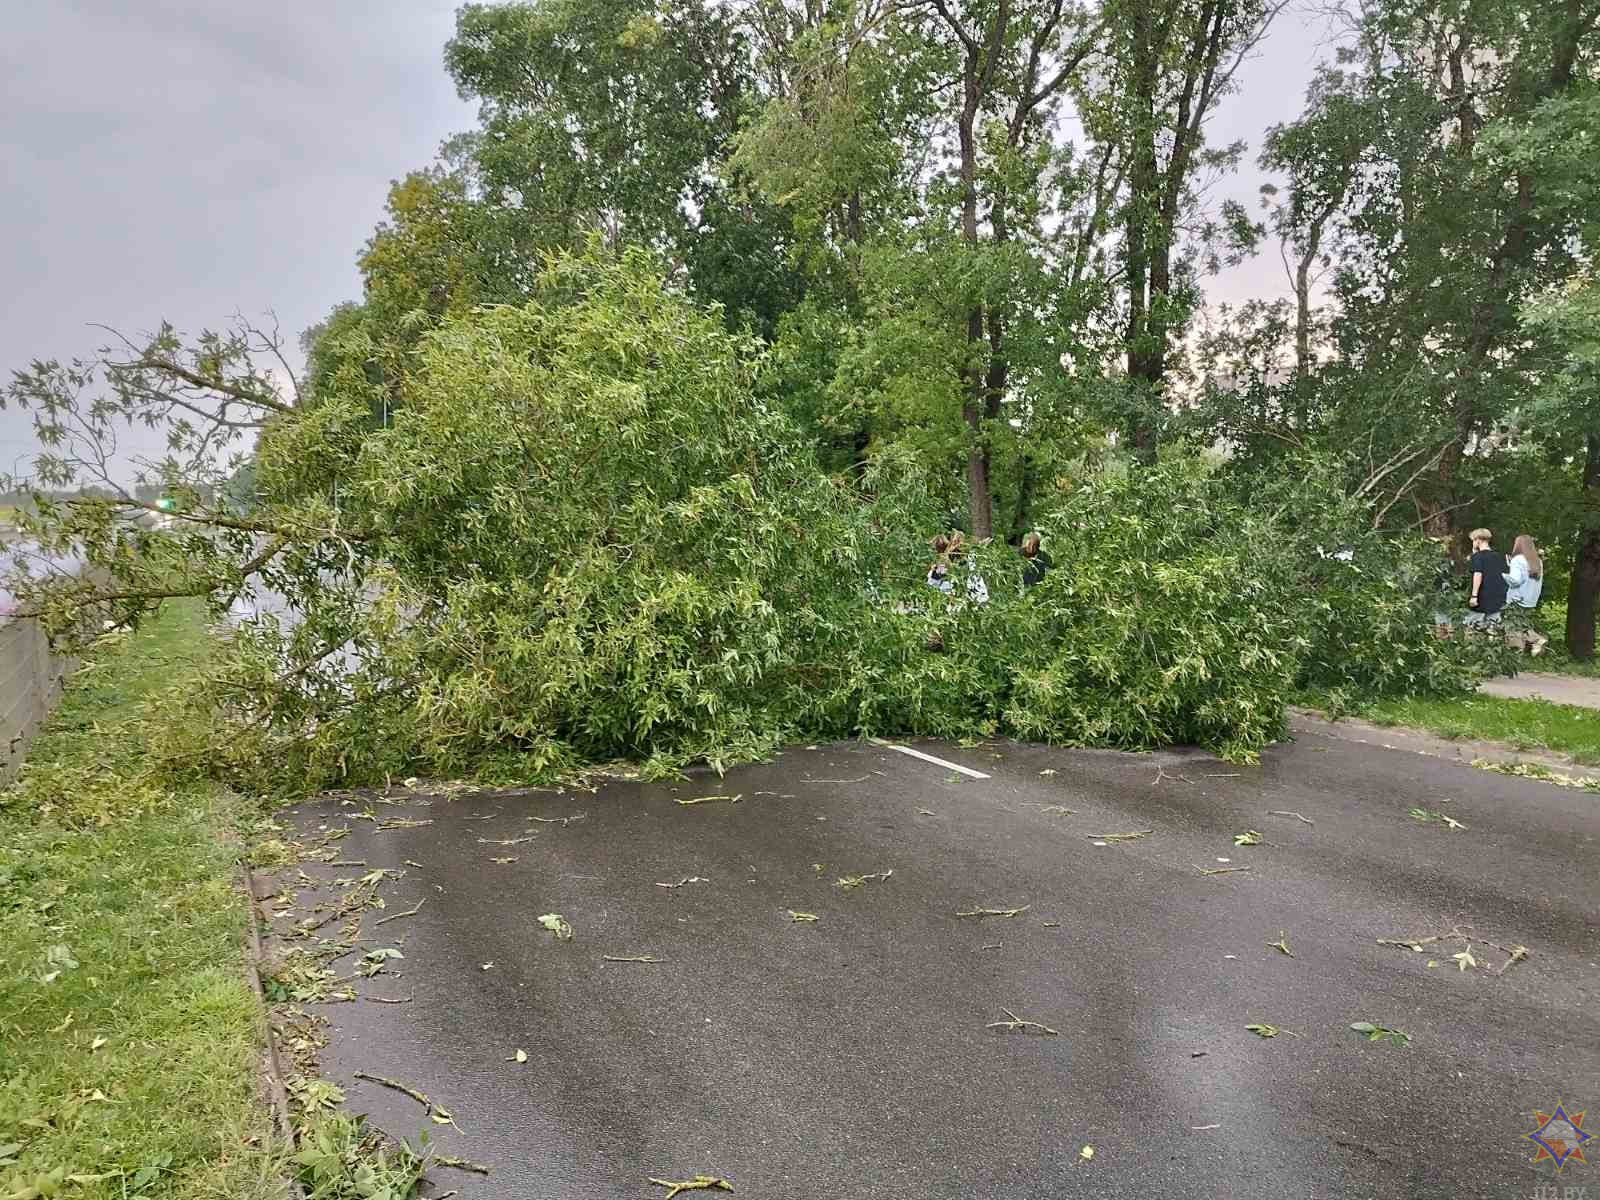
[[340, 1159]]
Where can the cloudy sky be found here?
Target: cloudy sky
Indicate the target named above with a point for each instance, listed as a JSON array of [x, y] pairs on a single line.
[[186, 159]]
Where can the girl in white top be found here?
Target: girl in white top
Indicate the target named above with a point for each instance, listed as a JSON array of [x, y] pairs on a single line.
[[1525, 583]]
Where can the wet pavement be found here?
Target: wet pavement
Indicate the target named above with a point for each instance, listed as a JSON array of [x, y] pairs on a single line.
[[853, 1055]]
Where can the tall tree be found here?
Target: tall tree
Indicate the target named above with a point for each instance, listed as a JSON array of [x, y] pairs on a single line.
[[1166, 66]]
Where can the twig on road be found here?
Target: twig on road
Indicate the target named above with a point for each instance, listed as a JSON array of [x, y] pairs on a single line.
[[711, 799], [1016, 1025], [700, 1183], [410, 912], [460, 1164], [1220, 870], [995, 912], [1281, 813], [633, 958], [1127, 836]]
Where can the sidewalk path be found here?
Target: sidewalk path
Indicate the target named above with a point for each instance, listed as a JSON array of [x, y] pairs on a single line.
[[1558, 689]]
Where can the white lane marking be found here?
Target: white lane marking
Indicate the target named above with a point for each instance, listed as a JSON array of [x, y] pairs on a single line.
[[938, 762]]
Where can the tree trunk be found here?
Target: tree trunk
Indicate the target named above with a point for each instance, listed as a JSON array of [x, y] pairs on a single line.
[[980, 507], [1583, 596], [1144, 185]]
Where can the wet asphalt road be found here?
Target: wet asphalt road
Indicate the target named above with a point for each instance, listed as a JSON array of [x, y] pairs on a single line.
[[849, 1057]]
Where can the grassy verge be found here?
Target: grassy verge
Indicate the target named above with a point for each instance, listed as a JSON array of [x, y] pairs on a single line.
[[1524, 724], [129, 1036]]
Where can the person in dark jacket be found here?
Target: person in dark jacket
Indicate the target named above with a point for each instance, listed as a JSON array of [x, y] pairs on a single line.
[[1035, 561]]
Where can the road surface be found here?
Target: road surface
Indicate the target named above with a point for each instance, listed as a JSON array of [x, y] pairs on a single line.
[[854, 1056]]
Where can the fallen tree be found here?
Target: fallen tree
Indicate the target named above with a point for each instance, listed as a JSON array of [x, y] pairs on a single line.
[[572, 533]]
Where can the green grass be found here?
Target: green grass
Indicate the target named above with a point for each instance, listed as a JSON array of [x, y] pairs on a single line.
[[129, 1034], [1551, 620], [1525, 724]]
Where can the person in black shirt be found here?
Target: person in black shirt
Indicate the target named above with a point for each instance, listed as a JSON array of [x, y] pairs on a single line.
[[1035, 561], [1488, 580]]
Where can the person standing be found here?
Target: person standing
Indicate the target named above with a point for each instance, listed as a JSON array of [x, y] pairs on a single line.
[[1489, 566], [1035, 561], [1525, 584]]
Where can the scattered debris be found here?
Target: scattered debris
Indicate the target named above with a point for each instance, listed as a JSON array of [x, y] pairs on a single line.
[[1128, 836], [1250, 837], [686, 880], [458, 1164], [711, 799], [1086, 1153], [410, 912], [1269, 1031], [802, 916], [700, 1183], [858, 779], [521, 1056], [991, 946], [1220, 870], [516, 841], [1054, 810], [1282, 944], [1525, 770], [855, 881], [1426, 816], [1278, 812], [558, 820], [1518, 953], [441, 1116], [1514, 954], [506, 860], [633, 958], [995, 912], [557, 924], [1015, 1024], [387, 1000], [1203, 1128], [1376, 1033]]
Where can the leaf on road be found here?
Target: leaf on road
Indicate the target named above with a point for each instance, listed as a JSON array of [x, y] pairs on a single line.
[[503, 861], [1465, 959], [1377, 1033], [521, 1056], [1265, 1031], [1250, 837], [802, 916], [557, 924], [1282, 944], [1086, 1152]]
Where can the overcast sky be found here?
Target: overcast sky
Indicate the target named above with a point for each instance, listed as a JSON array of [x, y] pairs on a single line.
[[184, 159]]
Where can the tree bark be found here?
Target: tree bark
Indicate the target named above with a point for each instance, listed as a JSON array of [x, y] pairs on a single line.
[[1583, 595]]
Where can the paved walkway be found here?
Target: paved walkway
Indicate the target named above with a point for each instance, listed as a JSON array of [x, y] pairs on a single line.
[[749, 992], [1558, 689]]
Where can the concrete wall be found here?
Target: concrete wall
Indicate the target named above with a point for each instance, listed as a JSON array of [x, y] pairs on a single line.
[[31, 680]]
